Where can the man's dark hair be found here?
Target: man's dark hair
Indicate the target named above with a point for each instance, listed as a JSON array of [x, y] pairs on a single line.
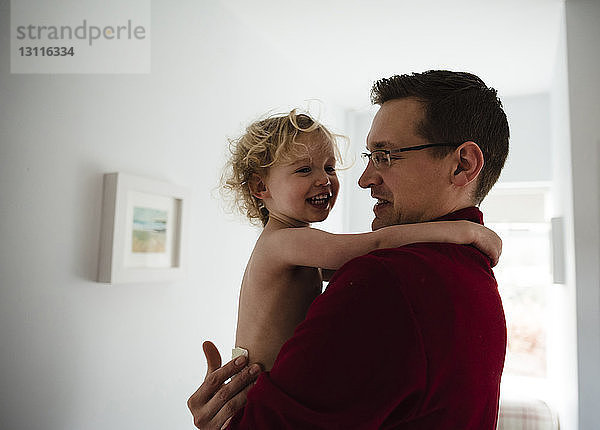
[[459, 107]]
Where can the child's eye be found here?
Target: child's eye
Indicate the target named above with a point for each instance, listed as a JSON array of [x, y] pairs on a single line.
[[330, 169], [303, 170]]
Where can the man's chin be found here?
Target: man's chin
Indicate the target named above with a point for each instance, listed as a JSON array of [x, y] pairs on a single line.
[[383, 222], [378, 223]]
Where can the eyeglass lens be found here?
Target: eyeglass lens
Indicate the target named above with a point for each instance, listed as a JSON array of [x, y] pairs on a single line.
[[378, 158]]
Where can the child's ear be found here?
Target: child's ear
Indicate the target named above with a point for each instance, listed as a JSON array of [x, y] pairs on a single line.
[[468, 164], [257, 187]]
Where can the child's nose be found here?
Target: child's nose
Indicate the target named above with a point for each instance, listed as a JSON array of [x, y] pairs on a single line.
[[322, 180]]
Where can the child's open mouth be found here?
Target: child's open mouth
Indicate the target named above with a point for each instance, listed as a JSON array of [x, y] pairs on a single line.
[[320, 201]]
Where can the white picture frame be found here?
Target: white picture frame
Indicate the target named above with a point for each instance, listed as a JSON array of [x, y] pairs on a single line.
[[142, 235]]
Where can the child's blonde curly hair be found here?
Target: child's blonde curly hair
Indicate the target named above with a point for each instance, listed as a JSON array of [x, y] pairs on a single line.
[[265, 143]]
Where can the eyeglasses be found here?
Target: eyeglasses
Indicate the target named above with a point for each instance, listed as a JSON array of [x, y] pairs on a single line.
[[383, 157]]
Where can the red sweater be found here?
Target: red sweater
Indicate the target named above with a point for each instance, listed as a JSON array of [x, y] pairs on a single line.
[[404, 338]]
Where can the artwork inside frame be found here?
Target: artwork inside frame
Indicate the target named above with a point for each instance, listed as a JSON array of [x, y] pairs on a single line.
[[142, 235]]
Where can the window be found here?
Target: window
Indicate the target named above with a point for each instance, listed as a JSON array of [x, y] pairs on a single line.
[[520, 215]]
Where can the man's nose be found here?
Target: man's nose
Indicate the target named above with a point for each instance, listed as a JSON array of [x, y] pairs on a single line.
[[369, 177]]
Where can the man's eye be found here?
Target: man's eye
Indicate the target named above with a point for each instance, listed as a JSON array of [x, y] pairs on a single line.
[[380, 157]]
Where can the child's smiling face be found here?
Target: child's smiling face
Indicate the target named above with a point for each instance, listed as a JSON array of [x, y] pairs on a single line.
[[304, 189]]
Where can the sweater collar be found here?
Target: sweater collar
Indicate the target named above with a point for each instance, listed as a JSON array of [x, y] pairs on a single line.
[[470, 214]]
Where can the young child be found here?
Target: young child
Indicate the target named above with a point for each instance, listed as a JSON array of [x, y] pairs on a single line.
[[282, 173]]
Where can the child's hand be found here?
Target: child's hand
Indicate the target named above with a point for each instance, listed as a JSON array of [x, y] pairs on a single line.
[[488, 242]]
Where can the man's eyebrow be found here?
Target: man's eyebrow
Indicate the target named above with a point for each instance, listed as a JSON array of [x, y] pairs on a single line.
[[380, 145]]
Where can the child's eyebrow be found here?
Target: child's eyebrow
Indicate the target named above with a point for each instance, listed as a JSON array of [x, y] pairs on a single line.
[[300, 161]]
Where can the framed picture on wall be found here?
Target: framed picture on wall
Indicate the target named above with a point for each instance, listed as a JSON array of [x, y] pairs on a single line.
[[142, 235]]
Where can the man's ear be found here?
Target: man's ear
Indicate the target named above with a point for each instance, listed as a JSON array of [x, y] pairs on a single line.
[[468, 162], [258, 187]]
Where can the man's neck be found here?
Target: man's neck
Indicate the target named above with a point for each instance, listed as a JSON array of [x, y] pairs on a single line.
[[471, 213], [453, 203]]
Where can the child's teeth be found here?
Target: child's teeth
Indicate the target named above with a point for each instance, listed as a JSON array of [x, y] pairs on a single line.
[[319, 199]]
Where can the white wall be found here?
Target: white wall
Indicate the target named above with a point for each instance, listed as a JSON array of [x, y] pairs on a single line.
[[576, 139], [562, 345], [583, 63], [530, 153], [81, 355]]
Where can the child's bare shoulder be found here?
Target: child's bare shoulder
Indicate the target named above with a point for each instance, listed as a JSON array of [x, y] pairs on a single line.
[[266, 249], [266, 272], [270, 243]]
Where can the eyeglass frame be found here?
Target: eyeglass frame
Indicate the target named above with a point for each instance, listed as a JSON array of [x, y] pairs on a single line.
[[388, 152]]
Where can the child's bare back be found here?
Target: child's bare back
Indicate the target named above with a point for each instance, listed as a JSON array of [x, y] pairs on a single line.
[[274, 299]]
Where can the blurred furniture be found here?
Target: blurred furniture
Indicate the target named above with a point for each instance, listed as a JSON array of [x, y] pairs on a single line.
[[526, 415]]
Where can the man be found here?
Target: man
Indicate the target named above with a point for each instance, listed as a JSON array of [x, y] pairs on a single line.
[[404, 338]]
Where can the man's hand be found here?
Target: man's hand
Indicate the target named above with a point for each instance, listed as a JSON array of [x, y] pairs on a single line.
[[215, 402]]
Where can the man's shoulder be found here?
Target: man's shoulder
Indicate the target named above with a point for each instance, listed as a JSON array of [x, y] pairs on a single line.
[[362, 283], [412, 254], [374, 267], [412, 261]]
